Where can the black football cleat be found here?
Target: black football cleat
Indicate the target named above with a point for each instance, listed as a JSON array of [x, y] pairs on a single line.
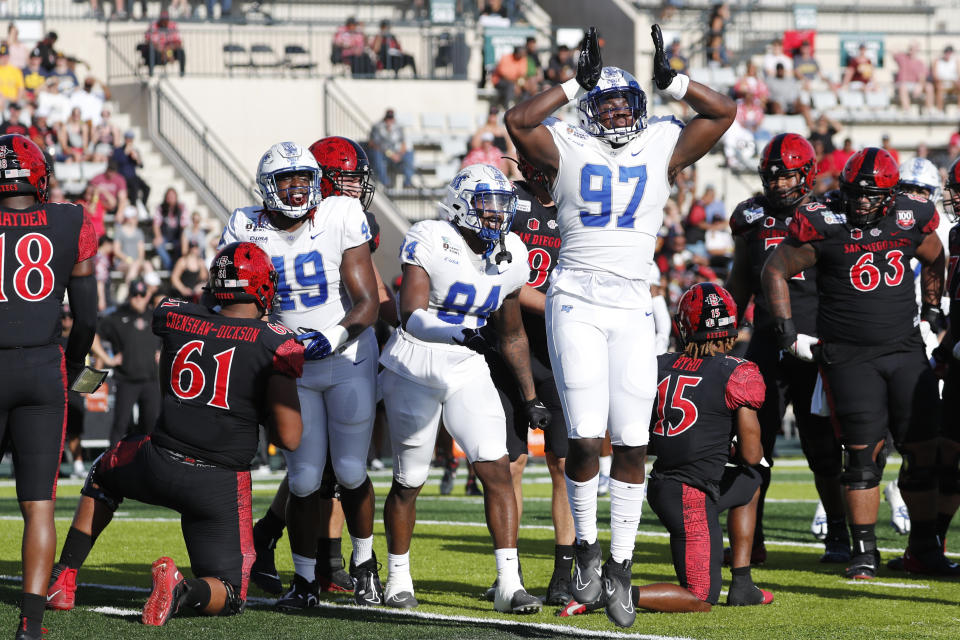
[[617, 595], [836, 548], [519, 602], [863, 566], [301, 595], [446, 482], [587, 573], [402, 600], [558, 591], [751, 595], [931, 562], [264, 570], [367, 590], [333, 578]]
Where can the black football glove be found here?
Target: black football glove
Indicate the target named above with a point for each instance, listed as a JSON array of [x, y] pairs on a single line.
[[932, 314], [590, 64], [537, 414], [663, 74], [473, 340], [786, 333]]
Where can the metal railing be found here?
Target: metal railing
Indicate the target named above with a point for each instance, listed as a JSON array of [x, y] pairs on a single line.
[[199, 155]]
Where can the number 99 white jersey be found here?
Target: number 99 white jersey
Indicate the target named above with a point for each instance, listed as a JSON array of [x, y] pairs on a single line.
[[465, 289], [309, 292], [610, 200]]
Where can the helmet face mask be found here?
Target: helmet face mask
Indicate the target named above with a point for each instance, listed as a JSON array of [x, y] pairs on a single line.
[[293, 199], [481, 200], [786, 155], [345, 169], [616, 109], [868, 186], [243, 272]]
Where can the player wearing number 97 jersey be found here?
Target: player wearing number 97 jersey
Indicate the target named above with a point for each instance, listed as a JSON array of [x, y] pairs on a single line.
[[326, 291], [610, 178], [871, 354]]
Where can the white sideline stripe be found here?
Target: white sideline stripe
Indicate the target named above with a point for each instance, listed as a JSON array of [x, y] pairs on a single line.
[[895, 585], [422, 615]]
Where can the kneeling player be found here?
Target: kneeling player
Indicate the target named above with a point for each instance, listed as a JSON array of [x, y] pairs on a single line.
[[456, 273], [223, 373]]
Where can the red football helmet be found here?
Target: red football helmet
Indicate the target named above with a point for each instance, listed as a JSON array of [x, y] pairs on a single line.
[[868, 186], [243, 272], [706, 311], [346, 170], [787, 154], [951, 192], [23, 168]]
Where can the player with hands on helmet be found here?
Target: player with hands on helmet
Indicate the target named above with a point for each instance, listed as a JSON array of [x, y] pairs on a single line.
[[759, 224], [223, 373], [871, 356], [327, 289], [610, 190], [457, 274]]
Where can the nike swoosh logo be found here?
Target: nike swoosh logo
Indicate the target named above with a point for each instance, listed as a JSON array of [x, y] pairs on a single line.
[[599, 572], [50, 596], [626, 608], [567, 557], [359, 362], [636, 153], [269, 575], [649, 313], [317, 234], [581, 585]]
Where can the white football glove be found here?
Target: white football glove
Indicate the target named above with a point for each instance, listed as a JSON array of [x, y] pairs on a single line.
[[802, 347]]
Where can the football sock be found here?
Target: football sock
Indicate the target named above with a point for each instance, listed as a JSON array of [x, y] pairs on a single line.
[[923, 535], [562, 559], [626, 503], [31, 613], [943, 523], [864, 538], [75, 548], [836, 528], [583, 505], [329, 554], [508, 569], [362, 549], [605, 463], [196, 594], [742, 589], [270, 526], [398, 577], [305, 567]]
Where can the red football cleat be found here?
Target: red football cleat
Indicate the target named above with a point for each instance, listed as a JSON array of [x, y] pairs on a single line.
[[164, 600], [61, 594], [767, 596], [572, 608]]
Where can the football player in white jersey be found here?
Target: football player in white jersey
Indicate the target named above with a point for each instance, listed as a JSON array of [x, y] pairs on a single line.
[[610, 178], [457, 273], [328, 291]]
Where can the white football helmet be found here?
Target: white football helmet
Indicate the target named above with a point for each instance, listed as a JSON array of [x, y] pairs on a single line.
[[288, 157], [922, 173], [479, 189], [614, 83]]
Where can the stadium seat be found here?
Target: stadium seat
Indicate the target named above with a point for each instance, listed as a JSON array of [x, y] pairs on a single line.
[[262, 56], [91, 169], [235, 56], [852, 99], [461, 122], [433, 127], [297, 58], [823, 100], [70, 177]]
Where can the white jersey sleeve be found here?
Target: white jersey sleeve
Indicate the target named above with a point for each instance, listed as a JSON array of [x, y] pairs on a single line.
[[610, 199], [354, 230]]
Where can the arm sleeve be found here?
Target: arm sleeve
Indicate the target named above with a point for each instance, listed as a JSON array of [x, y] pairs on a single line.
[[745, 387], [83, 303], [429, 328]]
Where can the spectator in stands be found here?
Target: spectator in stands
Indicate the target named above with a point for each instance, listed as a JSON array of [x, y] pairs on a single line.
[[888, 147], [34, 75], [197, 233], [12, 124], [859, 73], [493, 14], [48, 53], [169, 220], [912, 79], [102, 263], [11, 77], [350, 48], [54, 104], [225, 6], [162, 44], [390, 54], [486, 153], [389, 148], [89, 101], [946, 76], [189, 274], [67, 79], [93, 206], [130, 247], [746, 135], [718, 240], [784, 92], [74, 135], [678, 62], [45, 136], [750, 83], [509, 76], [826, 174], [716, 53], [561, 66], [18, 50], [104, 138], [717, 22], [534, 66], [840, 156], [128, 161], [112, 188], [493, 126], [823, 129], [806, 69], [775, 56], [695, 226]]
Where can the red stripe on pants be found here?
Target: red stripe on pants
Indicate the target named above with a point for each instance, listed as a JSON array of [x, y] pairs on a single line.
[[245, 512], [697, 542]]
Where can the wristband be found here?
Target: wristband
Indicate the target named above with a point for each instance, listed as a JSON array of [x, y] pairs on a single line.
[[678, 88], [573, 90], [337, 336]]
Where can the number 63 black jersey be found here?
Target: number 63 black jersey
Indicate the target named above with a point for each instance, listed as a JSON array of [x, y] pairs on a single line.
[[866, 286]]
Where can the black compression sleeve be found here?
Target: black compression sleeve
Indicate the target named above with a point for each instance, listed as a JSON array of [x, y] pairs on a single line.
[[83, 306]]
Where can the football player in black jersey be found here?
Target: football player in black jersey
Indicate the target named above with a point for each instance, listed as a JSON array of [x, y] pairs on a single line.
[[871, 355], [759, 224], [45, 249], [536, 224], [223, 374]]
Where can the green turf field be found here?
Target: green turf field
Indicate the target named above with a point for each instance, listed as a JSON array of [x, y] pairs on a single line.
[[453, 563]]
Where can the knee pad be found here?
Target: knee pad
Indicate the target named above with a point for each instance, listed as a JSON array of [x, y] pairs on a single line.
[[351, 473], [916, 477], [304, 480], [824, 455], [860, 470], [93, 490], [234, 604], [949, 474]]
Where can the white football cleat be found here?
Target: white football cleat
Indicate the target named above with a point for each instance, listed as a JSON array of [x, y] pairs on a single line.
[[899, 515], [819, 525]]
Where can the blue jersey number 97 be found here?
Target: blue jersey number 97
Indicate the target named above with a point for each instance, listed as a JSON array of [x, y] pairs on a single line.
[[596, 185], [308, 270]]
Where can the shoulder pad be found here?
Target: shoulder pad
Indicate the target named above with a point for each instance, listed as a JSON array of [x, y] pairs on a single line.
[[809, 224]]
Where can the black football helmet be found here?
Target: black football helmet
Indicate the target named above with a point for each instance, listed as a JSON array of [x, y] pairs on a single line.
[[23, 168]]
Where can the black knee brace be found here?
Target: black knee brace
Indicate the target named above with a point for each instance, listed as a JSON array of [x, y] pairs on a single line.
[[93, 490], [823, 453], [949, 471], [860, 470], [916, 477], [234, 604], [329, 489]]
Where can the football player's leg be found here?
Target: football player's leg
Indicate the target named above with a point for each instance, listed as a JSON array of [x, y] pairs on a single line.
[[949, 461], [740, 493], [578, 355], [509, 393], [266, 533]]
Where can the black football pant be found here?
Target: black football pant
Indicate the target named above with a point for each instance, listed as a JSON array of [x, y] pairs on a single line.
[[146, 394]]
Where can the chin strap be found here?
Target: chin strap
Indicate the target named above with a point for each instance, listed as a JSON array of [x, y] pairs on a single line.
[[503, 254]]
